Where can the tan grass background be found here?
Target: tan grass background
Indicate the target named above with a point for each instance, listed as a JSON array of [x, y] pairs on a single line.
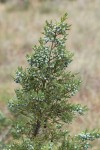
[[21, 29]]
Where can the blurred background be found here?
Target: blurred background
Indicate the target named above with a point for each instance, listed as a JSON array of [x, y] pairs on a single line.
[[21, 25]]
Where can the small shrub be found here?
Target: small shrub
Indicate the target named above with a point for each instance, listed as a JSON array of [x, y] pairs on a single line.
[[42, 107]]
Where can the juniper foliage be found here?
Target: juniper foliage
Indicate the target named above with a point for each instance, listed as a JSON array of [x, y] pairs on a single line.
[[42, 106]]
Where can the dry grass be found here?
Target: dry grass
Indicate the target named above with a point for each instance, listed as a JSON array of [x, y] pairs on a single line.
[[19, 30]]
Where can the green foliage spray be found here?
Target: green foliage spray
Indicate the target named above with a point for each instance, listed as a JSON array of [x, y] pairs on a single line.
[[42, 107]]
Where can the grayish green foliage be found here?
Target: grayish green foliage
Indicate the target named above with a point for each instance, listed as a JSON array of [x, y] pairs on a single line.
[[42, 106]]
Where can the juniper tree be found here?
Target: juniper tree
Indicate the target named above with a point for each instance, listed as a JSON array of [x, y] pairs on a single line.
[[41, 107]]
